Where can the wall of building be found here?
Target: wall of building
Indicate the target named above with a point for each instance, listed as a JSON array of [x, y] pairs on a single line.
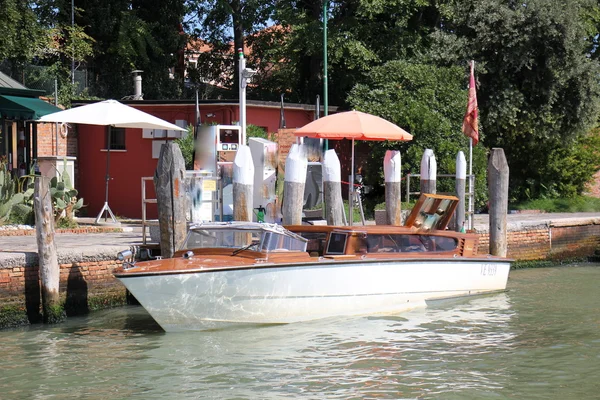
[[48, 145], [127, 167]]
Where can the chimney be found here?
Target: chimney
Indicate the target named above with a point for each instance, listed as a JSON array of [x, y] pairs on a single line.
[[137, 85]]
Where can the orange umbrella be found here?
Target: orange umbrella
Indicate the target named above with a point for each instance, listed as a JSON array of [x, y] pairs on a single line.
[[354, 125]]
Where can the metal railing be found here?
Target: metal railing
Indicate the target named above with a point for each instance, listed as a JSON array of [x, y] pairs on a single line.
[[145, 222], [203, 180]]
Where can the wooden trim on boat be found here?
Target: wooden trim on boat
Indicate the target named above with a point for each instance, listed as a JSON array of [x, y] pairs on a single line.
[[318, 262]]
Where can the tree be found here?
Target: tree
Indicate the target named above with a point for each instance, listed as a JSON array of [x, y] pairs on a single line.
[[223, 25], [130, 35], [22, 36], [538, 86], [427, 101], [361, 34]]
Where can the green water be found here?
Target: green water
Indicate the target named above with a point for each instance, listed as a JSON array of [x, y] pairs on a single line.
[[539, 340]]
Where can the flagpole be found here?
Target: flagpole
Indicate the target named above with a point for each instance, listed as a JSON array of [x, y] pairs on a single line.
[[471, 193], [471, 180]]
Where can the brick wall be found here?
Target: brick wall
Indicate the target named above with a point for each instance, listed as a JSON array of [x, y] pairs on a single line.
[[48, 144], [554, 242], [83, 286], [285, 139], [574, 241], [65, 146], [89, 284]]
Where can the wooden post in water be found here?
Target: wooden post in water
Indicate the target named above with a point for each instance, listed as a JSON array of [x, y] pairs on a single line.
[[392, 169], [461, 177], [428, 172], [296, 166], [47, 255], [332, 189], [243, 184], [169, 182], [498, 187]]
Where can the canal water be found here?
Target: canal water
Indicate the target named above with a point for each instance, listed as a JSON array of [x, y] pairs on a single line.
[[539, 340]]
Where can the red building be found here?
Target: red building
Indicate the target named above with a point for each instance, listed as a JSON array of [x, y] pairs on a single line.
[[134, 152]]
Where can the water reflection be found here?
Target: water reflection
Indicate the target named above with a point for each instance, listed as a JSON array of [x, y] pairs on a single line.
[[536, 340]]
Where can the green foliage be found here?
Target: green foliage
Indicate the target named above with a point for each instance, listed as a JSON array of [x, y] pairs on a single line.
[[66, 223], [221, 23], [12, 316], [111, 38], [64, 196], [22, 36], [428, 102], [562, 205], [22, 214], [538, 90], [11, 197], [255, 131], [186, 144], [54, 314], [107, 300]]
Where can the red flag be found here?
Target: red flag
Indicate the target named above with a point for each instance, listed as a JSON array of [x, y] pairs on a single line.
[[470, 122]]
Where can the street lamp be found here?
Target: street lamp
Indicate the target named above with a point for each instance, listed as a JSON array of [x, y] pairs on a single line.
[[246, 75]]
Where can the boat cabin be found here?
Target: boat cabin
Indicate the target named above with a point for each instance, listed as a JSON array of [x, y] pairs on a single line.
[[245, 239], [423, 235], [424, 232]]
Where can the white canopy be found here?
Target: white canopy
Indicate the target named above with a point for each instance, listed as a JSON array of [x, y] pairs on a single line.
[[110, 112]]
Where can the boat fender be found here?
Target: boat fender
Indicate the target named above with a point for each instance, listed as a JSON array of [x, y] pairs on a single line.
[[188, 254], [64, 130]]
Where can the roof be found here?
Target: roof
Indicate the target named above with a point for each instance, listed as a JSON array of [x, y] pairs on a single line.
[[10, 86], [8, 82], [24, 108], [212, 102]]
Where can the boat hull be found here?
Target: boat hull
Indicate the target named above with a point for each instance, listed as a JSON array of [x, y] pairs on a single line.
[[268, 294]]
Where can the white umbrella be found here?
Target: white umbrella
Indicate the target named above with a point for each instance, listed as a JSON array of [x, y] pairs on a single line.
[[109, 113]]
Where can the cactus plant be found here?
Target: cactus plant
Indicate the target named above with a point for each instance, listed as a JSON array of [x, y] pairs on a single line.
[[64, 196], [8, 193], [16, 199]]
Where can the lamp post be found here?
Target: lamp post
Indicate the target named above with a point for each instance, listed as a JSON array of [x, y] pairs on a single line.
[[73, 51], [245, 75], [325, 92]]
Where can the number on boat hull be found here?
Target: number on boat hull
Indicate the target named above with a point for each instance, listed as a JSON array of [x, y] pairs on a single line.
[[488, 270]]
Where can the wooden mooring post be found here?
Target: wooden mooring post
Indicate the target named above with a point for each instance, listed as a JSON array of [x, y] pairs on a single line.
[[49, 271], [243, 184], [460, 186], [428, 172], [392, 170], [498, 187], [332, 189], [296, 166], [171, 199]]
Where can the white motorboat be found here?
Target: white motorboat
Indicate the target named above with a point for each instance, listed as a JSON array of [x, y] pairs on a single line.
[[255, 273]]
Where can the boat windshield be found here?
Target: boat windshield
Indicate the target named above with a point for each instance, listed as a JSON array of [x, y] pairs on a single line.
[[265, 240]]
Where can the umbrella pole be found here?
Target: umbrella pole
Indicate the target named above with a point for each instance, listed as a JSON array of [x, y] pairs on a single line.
[[106, 208], [351, 190]]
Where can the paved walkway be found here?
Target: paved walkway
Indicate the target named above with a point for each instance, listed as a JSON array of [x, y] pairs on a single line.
[[15, 249]]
